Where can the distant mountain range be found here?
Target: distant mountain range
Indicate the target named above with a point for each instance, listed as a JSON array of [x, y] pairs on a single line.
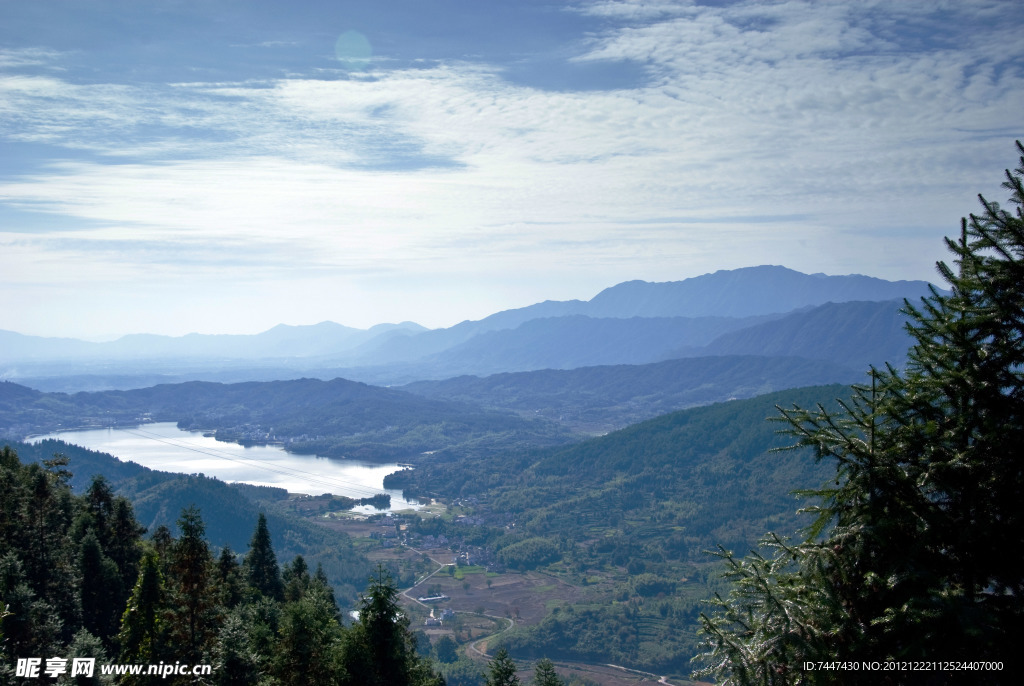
[[857, 334], [766, 311], [281, 342]]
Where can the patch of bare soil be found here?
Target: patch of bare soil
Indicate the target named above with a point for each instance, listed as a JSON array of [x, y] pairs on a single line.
[[524, 596]]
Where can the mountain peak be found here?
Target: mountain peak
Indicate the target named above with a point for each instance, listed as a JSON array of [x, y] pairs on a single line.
[[743, 292]]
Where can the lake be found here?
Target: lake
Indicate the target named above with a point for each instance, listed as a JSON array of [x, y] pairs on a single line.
[[165, 447]]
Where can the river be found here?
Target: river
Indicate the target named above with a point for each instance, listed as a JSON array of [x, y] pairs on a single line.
[[165, 447]]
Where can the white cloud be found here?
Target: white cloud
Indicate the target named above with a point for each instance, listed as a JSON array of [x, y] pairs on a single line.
[[821, 115], [26, 57]]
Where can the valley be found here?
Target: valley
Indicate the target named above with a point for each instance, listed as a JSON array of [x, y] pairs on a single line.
[[572, 467]]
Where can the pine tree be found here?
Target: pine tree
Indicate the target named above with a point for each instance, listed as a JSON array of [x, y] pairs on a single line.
[[502, 670], [143, 623], [229, 579], [380, 650], [261, 563], [194, 602], [235, 663], [101, 594], [320, 579], [85, 645], [544, 674], [310, 648], [446, 650], [262, 621], [125, 544], [296, 579], [915, 551]]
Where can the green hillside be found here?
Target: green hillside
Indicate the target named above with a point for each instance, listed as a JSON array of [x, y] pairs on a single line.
[[229, 510], [336, 418], [605, 398], [629, 518], [689, 480]]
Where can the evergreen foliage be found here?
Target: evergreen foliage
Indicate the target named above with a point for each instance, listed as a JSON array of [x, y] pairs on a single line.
[[183, 606], [446, 650], [544, 674], [141, 634], [502, 670], [100, 579], [296, 579], [235, 660], [195, 611], [915, 551], [380, 650], [261, 563], [229, 578], [310, 642]]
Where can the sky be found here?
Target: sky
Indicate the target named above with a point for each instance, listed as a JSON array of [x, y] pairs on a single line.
[[223, 166]]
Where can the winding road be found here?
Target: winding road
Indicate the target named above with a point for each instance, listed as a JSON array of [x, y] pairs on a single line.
[[474, 646]]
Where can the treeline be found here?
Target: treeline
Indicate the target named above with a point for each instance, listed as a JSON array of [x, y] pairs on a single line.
[[228, 510], [338, 418], [78, 578], [595, 400]]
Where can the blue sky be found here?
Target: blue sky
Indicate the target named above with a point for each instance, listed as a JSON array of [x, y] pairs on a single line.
[[226, 165]]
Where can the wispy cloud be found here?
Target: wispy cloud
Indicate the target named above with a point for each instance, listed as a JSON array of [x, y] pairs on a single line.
[[822, 120]]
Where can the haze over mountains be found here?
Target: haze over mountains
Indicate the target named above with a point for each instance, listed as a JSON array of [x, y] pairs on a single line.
[[767, 310]]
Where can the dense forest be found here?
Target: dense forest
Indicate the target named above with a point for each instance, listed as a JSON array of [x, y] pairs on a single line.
[[228, 509], [78, 578]]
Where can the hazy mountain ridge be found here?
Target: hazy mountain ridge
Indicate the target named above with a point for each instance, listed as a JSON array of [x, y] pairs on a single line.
[[635, 322], [603, 398], [576, 341], [856, 334], [281, 341], [851, 335], [747, 291], [765, 291]]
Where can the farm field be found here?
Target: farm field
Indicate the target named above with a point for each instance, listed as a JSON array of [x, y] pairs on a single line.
[[485, 604]]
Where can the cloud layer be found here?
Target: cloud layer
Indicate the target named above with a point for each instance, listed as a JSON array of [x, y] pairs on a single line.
[[828, 137]]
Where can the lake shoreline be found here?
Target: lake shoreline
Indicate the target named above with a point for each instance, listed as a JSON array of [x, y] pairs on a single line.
[[163, 446]]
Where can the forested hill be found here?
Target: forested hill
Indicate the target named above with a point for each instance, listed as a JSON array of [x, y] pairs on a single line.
[[680, 483], [79, 580], [630, 517], [604, 398], [857, 334], [335, 418]]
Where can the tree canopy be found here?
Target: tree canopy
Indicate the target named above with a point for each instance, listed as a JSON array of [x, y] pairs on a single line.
[[63, 559], [915, 551]]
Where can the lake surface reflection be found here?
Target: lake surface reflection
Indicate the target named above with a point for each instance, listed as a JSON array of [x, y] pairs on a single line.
[[165, 447]]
